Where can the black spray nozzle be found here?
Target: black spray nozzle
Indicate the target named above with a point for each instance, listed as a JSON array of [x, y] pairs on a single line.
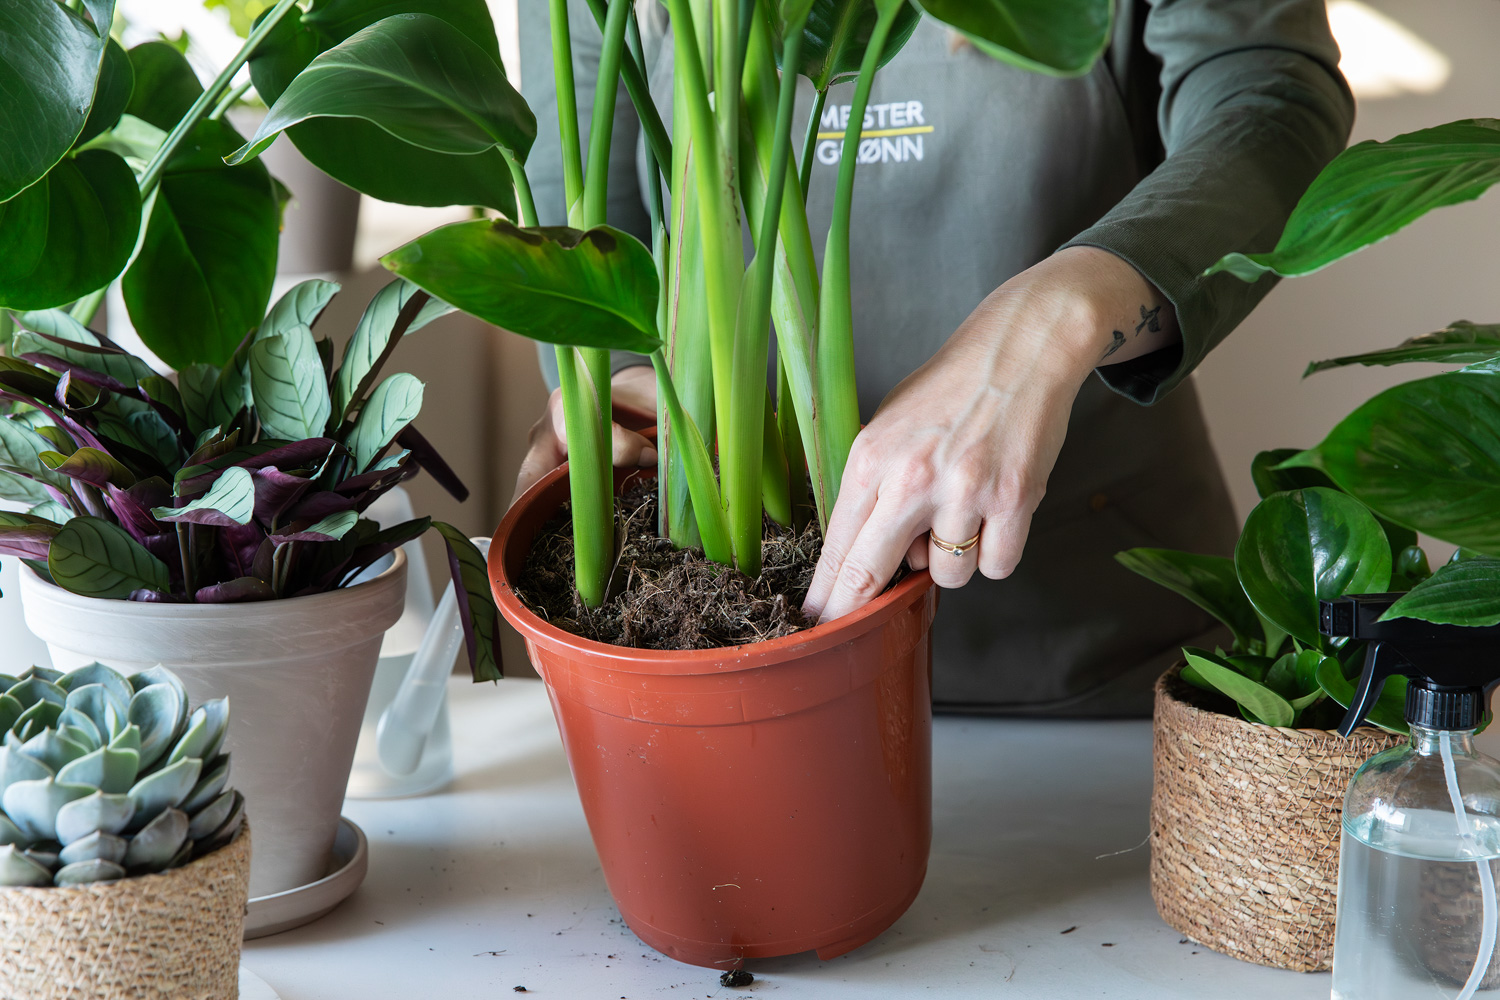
[[1451, 666]]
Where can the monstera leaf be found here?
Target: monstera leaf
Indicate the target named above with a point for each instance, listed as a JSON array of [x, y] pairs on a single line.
[[1059, 37], [1372, 189], [563, 286], [363, 154]]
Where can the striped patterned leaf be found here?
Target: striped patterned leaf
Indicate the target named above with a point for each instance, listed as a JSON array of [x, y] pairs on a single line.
[[21, 451], [90, 465], [230, 500], [329, 529], [88, 352], [19, 489], [94, 558], [372, 340], [286, 382], [476, 603], [394, 404]]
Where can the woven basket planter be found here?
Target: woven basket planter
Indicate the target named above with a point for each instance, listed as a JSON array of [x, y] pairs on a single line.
[[1245, 828], [173, 936]]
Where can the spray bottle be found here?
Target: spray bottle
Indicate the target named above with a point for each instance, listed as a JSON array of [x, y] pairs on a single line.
[[1417, 910]]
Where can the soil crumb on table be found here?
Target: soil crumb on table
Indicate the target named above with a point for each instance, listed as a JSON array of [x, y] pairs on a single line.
[[736, 977], [661, 597]]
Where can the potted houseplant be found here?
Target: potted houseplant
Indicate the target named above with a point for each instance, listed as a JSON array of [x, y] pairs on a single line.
[[829, 854], [213, 524], [124, 855], [1421, 456]]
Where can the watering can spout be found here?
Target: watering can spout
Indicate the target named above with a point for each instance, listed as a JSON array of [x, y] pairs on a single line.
[[406, 723]]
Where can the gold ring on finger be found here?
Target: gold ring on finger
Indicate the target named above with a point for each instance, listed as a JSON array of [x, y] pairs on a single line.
[[956, 548]]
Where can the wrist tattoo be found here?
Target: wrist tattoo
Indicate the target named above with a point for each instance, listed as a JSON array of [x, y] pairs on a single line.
[[1115, 345], [1149, 320]]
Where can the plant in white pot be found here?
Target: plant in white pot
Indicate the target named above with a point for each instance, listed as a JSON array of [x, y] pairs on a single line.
[[124, 855], [214, 524]]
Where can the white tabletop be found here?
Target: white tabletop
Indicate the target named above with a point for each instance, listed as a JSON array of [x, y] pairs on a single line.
[[1037, 886]]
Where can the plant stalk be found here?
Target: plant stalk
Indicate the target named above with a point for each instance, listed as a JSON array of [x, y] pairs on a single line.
[[633, 72], [713, 525], [810, 141], [567, 107]]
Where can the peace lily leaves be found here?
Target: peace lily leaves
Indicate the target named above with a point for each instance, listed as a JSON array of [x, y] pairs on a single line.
[[1461, 343], [1389, 712], [1373, 189], [564, 286], [1058, 37], [1425, 454], [1267, 706], [1309, 545], [1207, 581], [95, 558], [1460, 593], [289, 385], [837, 33]]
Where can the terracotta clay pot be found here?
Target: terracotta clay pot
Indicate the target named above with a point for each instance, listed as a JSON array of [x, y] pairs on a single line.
[[754, 800]]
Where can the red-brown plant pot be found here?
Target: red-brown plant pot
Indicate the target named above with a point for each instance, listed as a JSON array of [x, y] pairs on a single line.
[[749, 801]]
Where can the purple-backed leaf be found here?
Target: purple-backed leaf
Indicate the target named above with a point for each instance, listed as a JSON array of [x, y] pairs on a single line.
[[132, 507], [82, 400], [275, 491], [153, 597], [79, 373], [245, 588], [164, 547], [238, 545], [328, 529], [263, 562], [379, 480], [476, 604], [25, 536], [231, 500], [318, 505], [80, 433], [282, 454], [26, 378], [90, 465], [384, 542], [428, 458], [214, 447], [166, 400]]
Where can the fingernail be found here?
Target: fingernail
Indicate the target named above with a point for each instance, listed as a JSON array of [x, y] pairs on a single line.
[[648, 456]]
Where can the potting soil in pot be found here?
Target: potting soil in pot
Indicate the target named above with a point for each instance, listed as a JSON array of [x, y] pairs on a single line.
[[662, 597]]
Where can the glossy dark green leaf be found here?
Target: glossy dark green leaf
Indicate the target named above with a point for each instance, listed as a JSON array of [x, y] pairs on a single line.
[[476, 603], [362, 154], [287, 382], [563, 286], [1460, 343], [1411, 568], [1060, 37], [1271, 475], [372, 339], [116, 81], [1372, 189], [98, 559], [1267, 706], [1389, 712], [70, 233], [418, 78], [1425, 454], [165, 85], [1207, 581], [1309, 545], [836, 36], [51, 59], [204, 272], [1461, 593], [395, 403]]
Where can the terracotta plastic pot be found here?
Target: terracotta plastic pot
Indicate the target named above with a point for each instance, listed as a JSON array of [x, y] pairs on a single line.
[[754, 800]]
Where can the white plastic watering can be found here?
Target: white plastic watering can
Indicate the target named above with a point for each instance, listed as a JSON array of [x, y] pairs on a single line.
[[405, 745]]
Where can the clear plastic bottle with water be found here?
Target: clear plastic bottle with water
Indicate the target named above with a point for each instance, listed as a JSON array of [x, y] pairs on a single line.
[[1417, 906]]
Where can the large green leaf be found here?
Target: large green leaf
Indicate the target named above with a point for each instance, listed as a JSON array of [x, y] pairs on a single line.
[[394, 404], [418, 78], [1301, 547], [116, 81], [1425, 454], [1207, 581], [1372, 189], [1266, 705], [1271, 475], [372, 340], [563, 286], [94, 558], [1389, 712], [287, 382], [1061, 37], [1460, 593], [51, 59], [165, 85], [1461, 343], [362, 154], [837, 33], [70, 233]]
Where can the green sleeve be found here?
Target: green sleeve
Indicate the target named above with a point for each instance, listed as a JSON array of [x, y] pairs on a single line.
[[626, 208], [1252, 107]]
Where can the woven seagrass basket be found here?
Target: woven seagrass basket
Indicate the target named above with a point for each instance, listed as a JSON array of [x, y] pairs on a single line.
[[173, 936], [1245, 828]]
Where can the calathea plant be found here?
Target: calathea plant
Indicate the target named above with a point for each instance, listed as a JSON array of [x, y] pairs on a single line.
[[244, 482], [104, 776], [430, 78]]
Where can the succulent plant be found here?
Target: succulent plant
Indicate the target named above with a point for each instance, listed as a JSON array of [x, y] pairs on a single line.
[[104, 776]]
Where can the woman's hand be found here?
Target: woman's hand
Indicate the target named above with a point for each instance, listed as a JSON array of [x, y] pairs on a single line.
[[962, 448], [631, 388]]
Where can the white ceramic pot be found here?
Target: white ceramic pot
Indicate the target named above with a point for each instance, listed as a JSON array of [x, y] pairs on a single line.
[[297, 673]]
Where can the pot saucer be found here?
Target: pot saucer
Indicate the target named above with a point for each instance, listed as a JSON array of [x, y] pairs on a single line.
[[281, 911], [252, 987]]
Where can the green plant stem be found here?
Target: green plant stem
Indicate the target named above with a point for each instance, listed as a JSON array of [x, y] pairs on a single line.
[[601, 126], [228, 101], [210, 96], [791, 445], [810, 141], [775, 488], [726, 83], [567, 107], [634, 76], [185, 556], [835, 399], [525, 203], [713, 525], [590, 482]]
